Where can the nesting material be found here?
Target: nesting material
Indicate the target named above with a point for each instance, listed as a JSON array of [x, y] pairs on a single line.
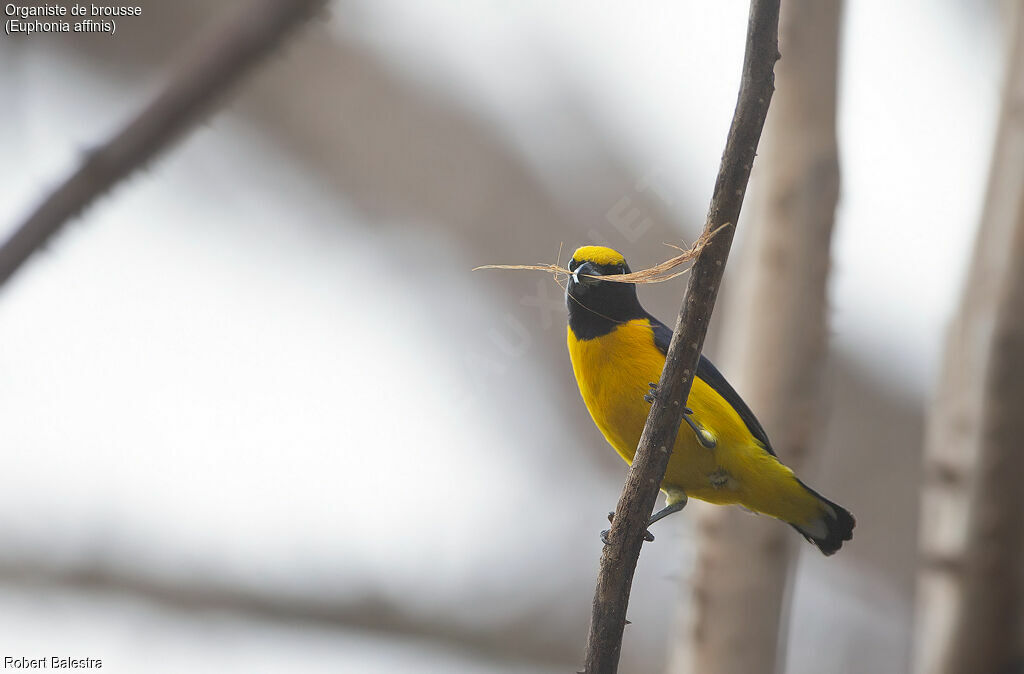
[[664, 271]]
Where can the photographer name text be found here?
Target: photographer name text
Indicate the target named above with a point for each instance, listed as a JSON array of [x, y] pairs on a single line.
[[53, 662]]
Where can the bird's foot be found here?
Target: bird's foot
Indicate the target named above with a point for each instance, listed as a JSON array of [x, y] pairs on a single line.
[[704, 436], [648, 536], [653, 392]]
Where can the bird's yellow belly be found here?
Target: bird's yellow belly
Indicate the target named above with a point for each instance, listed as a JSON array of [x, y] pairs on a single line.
[[614, 372]]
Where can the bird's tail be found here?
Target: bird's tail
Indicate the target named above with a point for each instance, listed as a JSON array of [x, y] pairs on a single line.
[[833, 526]]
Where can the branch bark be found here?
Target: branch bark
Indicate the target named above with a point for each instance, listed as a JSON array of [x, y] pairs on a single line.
[[212, 66], [619, 558], [774, 350], [970, 582]]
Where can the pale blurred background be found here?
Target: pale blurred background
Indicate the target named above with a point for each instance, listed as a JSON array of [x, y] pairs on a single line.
[[259, 415]]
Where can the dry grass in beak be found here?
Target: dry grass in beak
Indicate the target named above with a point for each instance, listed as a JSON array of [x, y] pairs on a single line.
[[656, 274]]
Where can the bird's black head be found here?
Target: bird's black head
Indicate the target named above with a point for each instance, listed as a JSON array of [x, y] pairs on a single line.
[[596, 307]]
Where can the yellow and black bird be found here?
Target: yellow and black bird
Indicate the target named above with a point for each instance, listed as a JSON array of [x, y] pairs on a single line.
[[722, 454]]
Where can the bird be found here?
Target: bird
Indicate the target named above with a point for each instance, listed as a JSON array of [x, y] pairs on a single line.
[[722, 454]]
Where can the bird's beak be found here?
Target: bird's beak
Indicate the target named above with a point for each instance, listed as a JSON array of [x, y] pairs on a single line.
[[583, 272]]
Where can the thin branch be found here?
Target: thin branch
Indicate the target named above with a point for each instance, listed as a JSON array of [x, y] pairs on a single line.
[[210, 68], [618, 561]]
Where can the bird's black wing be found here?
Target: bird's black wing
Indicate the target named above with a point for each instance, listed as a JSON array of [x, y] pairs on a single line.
[[713, 378]]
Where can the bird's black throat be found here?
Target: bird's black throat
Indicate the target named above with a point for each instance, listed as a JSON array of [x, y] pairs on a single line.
[[598, 308]]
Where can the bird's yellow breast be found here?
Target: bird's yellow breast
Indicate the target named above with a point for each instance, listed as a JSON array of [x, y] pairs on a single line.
[[614, 372]]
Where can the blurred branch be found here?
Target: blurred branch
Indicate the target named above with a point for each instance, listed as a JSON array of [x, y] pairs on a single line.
[[210, 68], [988, 630], [971, 583], [512, 641], [775, 347], [619, 558]]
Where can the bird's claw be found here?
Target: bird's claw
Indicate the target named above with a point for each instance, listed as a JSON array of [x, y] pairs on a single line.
[[704, 436], [653, 393], [648, 536]]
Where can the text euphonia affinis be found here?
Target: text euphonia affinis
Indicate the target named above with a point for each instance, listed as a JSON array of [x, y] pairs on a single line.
[[721, 454]]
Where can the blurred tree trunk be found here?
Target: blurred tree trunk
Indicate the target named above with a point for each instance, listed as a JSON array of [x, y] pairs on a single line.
[[971, 582], [774, 348]]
